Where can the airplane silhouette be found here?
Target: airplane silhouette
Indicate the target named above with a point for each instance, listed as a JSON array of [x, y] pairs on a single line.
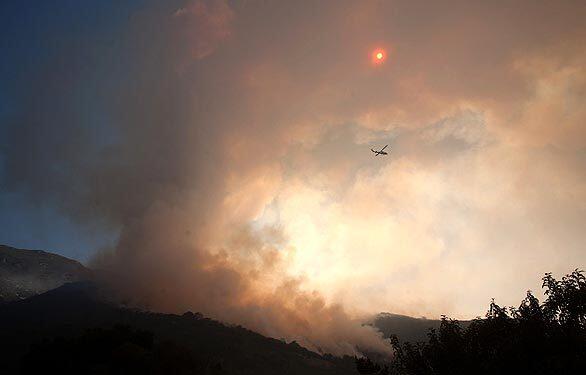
[[381, 152]]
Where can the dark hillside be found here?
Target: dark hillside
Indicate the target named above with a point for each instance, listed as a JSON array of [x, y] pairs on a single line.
[[406, 328], [25, 273], [73, 309]]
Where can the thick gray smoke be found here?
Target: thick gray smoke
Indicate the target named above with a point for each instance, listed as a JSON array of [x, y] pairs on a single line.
[[144, 134]]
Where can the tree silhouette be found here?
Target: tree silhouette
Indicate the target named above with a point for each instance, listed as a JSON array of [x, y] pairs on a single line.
[[366, 366], [547, 338]]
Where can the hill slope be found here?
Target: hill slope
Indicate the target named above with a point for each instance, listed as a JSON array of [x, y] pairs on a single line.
[[407, 328], [25, 273], [72, 309]]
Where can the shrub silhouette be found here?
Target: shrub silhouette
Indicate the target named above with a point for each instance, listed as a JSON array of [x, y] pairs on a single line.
[[366, 366], [547, 338]]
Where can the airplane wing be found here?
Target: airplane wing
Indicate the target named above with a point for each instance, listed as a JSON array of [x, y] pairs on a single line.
[[383, 148]]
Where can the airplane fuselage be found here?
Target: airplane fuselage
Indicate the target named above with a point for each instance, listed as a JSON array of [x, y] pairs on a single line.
[[380, 152]]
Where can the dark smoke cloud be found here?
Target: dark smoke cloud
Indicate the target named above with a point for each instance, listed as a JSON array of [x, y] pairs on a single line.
[[133, 136]]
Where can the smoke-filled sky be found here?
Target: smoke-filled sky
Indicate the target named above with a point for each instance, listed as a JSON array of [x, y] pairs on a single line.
[[215, 155]]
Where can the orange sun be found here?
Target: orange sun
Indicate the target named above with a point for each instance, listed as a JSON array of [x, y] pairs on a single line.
[[378, 56]]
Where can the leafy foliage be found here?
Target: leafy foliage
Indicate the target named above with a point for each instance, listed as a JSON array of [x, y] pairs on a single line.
[[547, 338]]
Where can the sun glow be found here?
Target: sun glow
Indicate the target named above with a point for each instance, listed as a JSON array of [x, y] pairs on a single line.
[[379, 56]]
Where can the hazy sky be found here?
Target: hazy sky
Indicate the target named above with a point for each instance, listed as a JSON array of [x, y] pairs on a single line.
[[217, 153]]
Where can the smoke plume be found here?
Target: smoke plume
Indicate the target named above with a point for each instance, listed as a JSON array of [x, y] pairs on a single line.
[[227, 143]]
